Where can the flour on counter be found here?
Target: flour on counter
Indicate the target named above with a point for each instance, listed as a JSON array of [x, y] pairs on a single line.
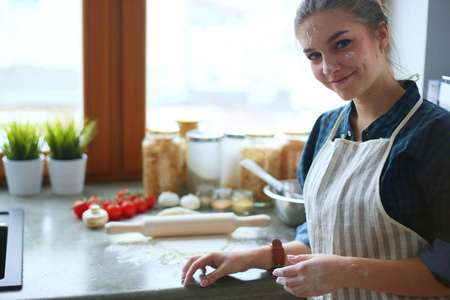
[[137, 249]]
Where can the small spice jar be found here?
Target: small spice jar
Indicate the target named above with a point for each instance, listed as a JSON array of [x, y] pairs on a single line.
[[222, 199], [242, 202], [291, 152], [205, 194], [263, 149], [162, 159]]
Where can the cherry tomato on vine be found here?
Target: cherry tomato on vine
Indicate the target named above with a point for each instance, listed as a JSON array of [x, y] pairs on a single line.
[[151, 200], [128, 209], [105, 203], [114, 211], [122, 193], [79, 207], [141, 204]]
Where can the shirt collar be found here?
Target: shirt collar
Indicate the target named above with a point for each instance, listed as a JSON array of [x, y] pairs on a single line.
[[385, 124]]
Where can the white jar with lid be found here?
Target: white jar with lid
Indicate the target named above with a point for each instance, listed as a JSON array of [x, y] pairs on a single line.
[[203, 159], [230, 158], [264, 150]]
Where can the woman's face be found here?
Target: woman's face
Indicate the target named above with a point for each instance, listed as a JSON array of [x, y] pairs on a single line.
[[344, 55]]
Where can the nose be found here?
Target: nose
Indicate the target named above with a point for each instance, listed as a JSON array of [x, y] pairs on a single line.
[[330, 66]]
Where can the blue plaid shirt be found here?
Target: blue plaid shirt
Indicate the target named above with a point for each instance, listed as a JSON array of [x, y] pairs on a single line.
[[415, 183]]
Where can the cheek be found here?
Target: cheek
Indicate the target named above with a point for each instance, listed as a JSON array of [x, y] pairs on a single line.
[[318, 72], [350, 56]]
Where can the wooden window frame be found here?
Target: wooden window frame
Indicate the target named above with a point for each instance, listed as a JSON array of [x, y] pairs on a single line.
[[114, 87]]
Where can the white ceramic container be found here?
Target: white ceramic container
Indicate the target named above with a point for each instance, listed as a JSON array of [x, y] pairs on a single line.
[[67, 176], [24, 177]]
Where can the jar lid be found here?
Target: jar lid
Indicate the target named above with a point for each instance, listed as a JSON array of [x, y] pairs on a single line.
[[188, 121], [296, 132], [234, 135], [204, 136], [260, 134], [163, 129]]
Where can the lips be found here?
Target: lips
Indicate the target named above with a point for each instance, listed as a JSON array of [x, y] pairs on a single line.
[[342, 80]]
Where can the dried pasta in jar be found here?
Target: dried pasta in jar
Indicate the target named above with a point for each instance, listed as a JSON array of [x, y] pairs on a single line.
[[263, 150], [162, 161], [291, 152]]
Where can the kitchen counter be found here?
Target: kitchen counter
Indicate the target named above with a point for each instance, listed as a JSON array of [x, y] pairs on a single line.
[[64, 259]]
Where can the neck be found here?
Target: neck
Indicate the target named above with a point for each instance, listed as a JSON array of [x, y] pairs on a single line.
[[374, 103]]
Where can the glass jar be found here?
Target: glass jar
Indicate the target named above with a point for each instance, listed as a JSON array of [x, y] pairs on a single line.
[[222, 199], [205, 194], [203, 159], [242, 201], [230, 158], [162, 161], [291, 152], [263, 149], [184, 126]]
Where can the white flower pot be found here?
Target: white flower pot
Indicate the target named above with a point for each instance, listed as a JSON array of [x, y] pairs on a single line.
[[67, 176], [24, 177]]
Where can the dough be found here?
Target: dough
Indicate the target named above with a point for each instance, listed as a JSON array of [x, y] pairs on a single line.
[[176, 211]]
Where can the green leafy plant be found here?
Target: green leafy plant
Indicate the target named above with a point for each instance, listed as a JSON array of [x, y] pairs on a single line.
[[22, 141], [65, 141]]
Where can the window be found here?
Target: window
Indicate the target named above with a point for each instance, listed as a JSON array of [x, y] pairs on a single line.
[[40, 60], [113, 77], [218, 60]]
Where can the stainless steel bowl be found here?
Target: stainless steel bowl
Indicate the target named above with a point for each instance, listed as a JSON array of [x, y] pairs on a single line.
[[290, 210]]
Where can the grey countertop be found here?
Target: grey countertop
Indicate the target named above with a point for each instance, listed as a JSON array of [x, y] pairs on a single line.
[[64, 259]]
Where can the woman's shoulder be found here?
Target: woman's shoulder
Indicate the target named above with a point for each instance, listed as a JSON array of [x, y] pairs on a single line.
[[431, 119], [432, 113], [428, 131]]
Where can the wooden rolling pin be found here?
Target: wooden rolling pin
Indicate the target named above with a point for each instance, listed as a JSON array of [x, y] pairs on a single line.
[[186, 225]]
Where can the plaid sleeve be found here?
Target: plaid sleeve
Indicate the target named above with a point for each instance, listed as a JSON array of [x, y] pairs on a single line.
[[434, 179]]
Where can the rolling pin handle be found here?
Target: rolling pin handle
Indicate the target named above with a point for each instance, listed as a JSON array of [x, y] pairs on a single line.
[[123, 227], [253, 221]]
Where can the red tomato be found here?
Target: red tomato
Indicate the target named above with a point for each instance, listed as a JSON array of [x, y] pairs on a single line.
[[122, 193], [93, 199], [128, 209], [114, 211], [151, 200], [105, 203], [141, 204], [79, 207]]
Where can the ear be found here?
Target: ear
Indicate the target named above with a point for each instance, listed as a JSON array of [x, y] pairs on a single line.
[[383, 35]]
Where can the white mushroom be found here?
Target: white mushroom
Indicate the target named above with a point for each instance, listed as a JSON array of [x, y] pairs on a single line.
[[168, 199], [190, 201], [95, 216]]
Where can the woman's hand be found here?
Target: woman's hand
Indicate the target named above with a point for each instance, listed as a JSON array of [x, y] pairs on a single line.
[[225, 263], [311, 274]]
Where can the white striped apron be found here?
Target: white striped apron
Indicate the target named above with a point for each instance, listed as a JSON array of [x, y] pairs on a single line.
[[344, 210]]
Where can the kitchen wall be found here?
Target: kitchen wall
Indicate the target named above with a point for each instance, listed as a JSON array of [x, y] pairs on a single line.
[[437, 62], [409, 32], [420, 33]]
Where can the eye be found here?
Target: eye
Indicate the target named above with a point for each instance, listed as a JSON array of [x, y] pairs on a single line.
[[314, 56], [342, 44]]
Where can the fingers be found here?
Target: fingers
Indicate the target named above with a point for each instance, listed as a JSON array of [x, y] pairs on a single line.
[[293, 269], [200, 262], [188, 265], [298, 258]]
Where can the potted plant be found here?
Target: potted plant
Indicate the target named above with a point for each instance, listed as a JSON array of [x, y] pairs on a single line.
[[67, 161], [23, 161]]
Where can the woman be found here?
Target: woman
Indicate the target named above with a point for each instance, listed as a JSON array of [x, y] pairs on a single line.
[[375, 174]]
